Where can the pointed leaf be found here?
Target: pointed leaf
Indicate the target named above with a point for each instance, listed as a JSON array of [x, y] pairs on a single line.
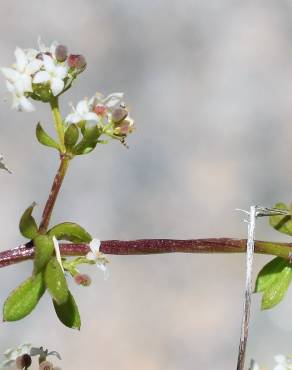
[[43, 250], [282, 223], [56, 282], [23, 299], [27, 224], [269, 273], [44, 138], [71, 232], [276, 291], [71, 136], [89, 141], [68, 313]]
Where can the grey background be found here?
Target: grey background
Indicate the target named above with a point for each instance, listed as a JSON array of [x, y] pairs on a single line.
[[209, 84]]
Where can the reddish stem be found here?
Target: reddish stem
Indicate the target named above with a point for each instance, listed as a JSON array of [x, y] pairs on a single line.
[[153, 246]]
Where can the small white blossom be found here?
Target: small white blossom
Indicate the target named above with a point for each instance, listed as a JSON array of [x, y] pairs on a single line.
[[53, 73], [283, 362], [98, 257], [108, 103], [21, 72], [12, 353], [3, 165], [82, 113], [19, 101], [57, 252]]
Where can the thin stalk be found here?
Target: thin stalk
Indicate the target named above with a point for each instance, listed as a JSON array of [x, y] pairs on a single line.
[[153, 246], [58, 121], [58, 180]]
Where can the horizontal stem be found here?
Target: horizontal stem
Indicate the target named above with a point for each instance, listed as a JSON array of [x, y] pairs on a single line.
[[154, 246]]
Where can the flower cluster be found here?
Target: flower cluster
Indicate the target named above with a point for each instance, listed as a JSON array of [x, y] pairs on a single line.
[[109, 113], [41, 74], [20, 357]]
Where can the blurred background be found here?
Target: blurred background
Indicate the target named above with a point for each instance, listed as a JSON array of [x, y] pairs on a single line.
[[209, 84]]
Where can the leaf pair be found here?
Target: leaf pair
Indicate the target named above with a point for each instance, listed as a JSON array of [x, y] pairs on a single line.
[[24, 299], [85, 146], [273, 281]]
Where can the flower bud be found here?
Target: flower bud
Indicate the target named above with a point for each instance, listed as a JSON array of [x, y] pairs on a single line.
[[82, 279], [61, 53], [119, 114], [76, 61], [125, 127], [23, 361], [100, 110], [46, 365]]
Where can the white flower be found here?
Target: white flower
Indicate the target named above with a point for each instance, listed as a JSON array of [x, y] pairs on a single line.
[[53, 73], [39, 351], [12, 354], [2, 164], [110, 102], [19, 101], [98, 257], [21, 72], [57, 252], [82, 113], [283, 362]]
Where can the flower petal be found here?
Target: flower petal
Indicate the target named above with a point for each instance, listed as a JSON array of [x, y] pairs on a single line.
[[33, 66], [11, 74], [41, 77], [21, 59], [25, 105], [61, 71], [113, 99], [48, 63], [57, 85], [94, 245], [73, 118], [91, 116], [82, 107]]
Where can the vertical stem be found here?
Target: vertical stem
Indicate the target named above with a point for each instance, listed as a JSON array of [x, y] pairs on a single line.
[[58, 122], [58, 180]]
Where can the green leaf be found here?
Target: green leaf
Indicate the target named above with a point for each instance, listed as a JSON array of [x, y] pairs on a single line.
[[44, 138], [56, 282], [270, 273], [43, 250], [27, 224], [71, 232], [71, 136], [282, 223], [277, 290], [23, 299], [68, 313], [89, 141]]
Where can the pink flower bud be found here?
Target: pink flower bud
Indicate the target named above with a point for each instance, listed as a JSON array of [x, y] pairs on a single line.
[[100, 110], [61, 53], [76, 61], [119, 114], [82, 279], [23, 361], [46, 365]]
